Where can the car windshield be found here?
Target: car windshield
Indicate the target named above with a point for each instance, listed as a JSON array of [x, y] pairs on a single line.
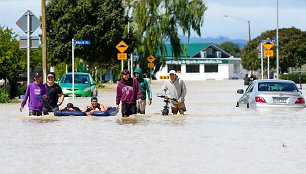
[[77, 79], [277, 86]]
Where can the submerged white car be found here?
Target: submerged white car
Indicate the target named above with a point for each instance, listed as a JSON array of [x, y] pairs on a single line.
[[271, 93]]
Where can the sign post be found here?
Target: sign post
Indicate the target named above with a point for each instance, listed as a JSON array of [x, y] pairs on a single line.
[[122, 46], [151, 59], [268, 44], [76, 42], [28, 23]]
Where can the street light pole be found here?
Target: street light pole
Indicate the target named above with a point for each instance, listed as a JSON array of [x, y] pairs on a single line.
[[43, 41], [249, 25], [277, 42], [240, 19]]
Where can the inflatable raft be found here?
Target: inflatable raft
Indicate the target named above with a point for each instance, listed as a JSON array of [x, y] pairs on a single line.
[[112, 111], [69, 113]]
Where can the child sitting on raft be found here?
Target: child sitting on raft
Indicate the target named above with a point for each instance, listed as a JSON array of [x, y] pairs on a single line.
[[95, 106], [71, 107]]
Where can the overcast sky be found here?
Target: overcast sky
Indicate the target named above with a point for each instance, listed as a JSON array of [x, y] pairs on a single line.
[[260, 13]]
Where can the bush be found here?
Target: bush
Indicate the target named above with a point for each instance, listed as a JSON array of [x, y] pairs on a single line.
[[297, 78], [4, 97]]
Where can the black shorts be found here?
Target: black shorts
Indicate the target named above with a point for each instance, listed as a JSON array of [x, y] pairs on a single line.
[[128, 109], [35, 113]]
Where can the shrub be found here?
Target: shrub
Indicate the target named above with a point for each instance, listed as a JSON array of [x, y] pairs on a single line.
[[297, 78], [4, 97]]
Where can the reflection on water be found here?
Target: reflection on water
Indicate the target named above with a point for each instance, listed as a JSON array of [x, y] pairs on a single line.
[[41, 119], [213, 137]]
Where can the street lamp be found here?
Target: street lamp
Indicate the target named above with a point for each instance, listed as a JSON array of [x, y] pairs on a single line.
[[240, 19], [277, 43]]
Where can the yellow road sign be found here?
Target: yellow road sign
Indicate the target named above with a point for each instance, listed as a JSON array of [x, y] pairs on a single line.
[[268, 45], [268, 53], [151, 58], [122, 46], [150, 65], [122, 56]]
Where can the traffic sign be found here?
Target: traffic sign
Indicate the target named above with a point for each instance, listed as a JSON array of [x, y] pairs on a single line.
[[122, 56], [150, 65], [34, 42], [151, 58], [268, 53], [23, 22], [268, 45], [82, 42], [122, 46], [268, 40]]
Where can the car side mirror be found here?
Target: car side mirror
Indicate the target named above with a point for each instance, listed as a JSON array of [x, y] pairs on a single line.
[[240, 91]]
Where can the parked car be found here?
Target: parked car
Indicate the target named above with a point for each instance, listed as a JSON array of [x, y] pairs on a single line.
[[84, 85], [271, 93]]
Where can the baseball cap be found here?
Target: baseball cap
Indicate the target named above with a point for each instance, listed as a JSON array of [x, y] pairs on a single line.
[[125, 72], [37, 74], [172, 72], [50, 75]]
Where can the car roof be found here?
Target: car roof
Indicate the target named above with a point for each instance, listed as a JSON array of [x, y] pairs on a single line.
[[80, 73], [273, 80]]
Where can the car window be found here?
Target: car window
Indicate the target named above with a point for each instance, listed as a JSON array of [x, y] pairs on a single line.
[[250, 88], [82, 79], [277, 86]]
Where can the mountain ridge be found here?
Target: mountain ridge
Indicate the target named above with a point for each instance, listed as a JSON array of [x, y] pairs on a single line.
[[216, 40]]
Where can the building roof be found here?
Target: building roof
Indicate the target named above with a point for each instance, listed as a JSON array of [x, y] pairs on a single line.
[[192, 49]]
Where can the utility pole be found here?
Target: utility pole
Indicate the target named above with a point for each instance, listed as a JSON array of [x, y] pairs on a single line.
[[43, 40], [277, 43]]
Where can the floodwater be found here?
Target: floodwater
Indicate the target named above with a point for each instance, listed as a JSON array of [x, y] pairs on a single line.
[[213, 137]]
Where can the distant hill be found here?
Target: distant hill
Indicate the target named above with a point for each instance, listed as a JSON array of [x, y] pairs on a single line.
[[217, 40]]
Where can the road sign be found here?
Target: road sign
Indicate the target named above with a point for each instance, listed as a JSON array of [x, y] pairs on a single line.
[[122, 56], [268, 40], [122, 46], [150, 65], [82, 42], [34, 42], [268, 53], [23, 21], [151, 58], [268, 45]]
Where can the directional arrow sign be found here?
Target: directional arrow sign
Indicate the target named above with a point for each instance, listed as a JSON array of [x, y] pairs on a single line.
[[268, 45], [151, 58], [122, 46]]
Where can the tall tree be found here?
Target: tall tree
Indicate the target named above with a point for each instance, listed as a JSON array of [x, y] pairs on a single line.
[[101, 22], [12, 59], [292, 50], [231, 48], [156, 21]]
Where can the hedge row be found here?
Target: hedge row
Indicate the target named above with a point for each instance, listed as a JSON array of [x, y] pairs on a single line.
[[297, 78]]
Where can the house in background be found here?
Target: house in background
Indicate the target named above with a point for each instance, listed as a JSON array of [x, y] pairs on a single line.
[[201, 61]]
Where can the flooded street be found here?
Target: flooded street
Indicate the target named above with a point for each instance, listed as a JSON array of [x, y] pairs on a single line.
[[213, 137]]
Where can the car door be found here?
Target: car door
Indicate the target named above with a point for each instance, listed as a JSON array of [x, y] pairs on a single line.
[[244, 100]]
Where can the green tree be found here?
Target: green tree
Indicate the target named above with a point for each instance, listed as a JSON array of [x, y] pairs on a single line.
[[156, 22], [292, 50], [231, 48], [101, 22], [12, 59]]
